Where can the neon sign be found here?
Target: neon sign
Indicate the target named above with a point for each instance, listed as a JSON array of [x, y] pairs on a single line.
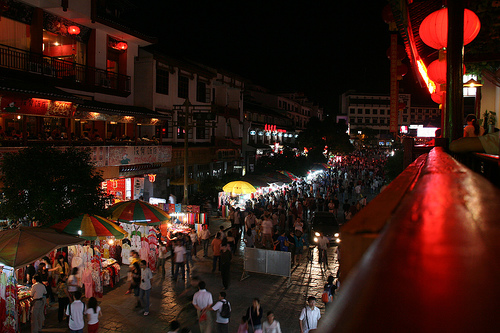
[[272, 128]]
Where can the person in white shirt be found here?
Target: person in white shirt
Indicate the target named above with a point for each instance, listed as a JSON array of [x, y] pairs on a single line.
[[75, 312], [162, 258], [222, 323], [271, 325], [145, 286], [249, 220], [93, 313], [267, 232], [194, 239], [202, 300], [323, 250], [38, 291], [179, 259], [309, 316], [205, 239], [73, 283]]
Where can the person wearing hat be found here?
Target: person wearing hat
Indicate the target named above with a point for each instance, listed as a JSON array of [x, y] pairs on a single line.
[[309, 316]]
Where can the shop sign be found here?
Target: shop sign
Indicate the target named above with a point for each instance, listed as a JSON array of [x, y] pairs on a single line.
[[36, 106]]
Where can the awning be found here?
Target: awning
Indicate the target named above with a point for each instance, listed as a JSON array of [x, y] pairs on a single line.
[[32, 89], [118, 109]]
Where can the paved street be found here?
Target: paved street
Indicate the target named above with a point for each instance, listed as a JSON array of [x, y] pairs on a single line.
[[274, 292]]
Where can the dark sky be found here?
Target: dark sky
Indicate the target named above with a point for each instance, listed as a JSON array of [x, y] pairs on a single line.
[[322, 48]]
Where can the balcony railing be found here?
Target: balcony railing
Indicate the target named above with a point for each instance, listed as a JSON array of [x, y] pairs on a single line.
[[423, 255], [64, 72]]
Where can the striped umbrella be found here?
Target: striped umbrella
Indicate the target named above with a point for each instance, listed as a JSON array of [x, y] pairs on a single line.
[[90, 227], [137, 211]]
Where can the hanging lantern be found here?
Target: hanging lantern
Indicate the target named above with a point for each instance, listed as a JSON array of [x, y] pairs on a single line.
[[73, 30], [437, 71], [434, 28], [121, 46], [436, 97]]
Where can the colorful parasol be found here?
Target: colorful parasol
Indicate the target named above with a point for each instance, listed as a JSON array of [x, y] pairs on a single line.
[[137, 211], [90, 227], [19, 247], [289, 174], [239, 187]]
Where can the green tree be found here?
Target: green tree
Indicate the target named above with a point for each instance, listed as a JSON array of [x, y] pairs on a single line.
[[49, 185]]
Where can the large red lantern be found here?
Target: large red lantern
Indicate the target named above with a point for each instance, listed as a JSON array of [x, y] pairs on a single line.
[[73, 30], [436, 97], [437, 71], [121, 46], [434, 28]]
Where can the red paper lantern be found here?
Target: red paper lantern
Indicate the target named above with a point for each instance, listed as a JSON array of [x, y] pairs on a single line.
[[434, 28], [121, 46], [437, 71], [436, 97], [73, 30]]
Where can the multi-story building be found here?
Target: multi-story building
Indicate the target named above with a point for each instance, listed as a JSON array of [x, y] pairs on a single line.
[[373, 111], [214, 120]]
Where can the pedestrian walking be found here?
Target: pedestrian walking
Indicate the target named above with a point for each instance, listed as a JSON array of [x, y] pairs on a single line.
[[243, 327], [254, 315], [63, 296], [216, 244], [162, 258], [145, 286], [202, 300], [323, 243], [309, 316], [223, 311], [38, 291], [73, 283], [205, 239], [75, 312], [179, 260], [225, 263], [93, 313], [195, 241], [271, 325], [328, 291]]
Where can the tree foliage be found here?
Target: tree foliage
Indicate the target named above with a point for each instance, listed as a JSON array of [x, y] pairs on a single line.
[[49, 185], [328, 132]]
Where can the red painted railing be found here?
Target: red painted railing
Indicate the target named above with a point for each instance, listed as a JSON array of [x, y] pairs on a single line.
[[432, 262]]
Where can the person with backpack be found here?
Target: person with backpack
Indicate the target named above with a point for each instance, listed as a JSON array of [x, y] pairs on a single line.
[[328, 292], [223, 309], [75, 311]]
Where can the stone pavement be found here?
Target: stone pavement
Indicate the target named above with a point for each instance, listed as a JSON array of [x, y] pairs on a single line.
[[275, 293]]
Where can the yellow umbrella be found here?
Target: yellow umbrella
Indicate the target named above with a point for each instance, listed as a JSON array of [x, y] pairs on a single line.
[[239, 187]]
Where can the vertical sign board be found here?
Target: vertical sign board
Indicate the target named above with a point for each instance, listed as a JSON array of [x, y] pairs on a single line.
[[393, 127]]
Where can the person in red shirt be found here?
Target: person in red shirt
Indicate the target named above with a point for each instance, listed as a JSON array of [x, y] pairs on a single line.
[[216, 244]]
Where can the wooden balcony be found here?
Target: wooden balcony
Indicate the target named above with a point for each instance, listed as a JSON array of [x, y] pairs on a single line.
[[423, 256], [33, 66]]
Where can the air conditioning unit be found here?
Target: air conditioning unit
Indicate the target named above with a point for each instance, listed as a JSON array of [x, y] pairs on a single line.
[[105, 83]]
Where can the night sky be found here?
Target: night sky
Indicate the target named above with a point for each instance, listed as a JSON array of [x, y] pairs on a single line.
[[321, 48]]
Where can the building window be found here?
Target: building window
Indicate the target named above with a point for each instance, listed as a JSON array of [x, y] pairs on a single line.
[[161, 81], [367, 120], [201, 92], [352, 111], [14, 34], [382, 121], [382, 111], [360, 111], [360, 120], [367, 111], [375, 120], [405, 119], [375, 111], [201, 130], [183, 89]]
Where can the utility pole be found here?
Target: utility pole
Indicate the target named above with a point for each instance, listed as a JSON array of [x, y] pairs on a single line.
[[185, 200]]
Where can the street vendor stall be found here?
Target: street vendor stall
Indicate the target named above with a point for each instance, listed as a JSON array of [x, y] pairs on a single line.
[[139, 219], [18, 248], [97, 262]]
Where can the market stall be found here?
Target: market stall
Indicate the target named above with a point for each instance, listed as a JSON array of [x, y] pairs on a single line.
[[18, 248], [139, 219], [98, 261]]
